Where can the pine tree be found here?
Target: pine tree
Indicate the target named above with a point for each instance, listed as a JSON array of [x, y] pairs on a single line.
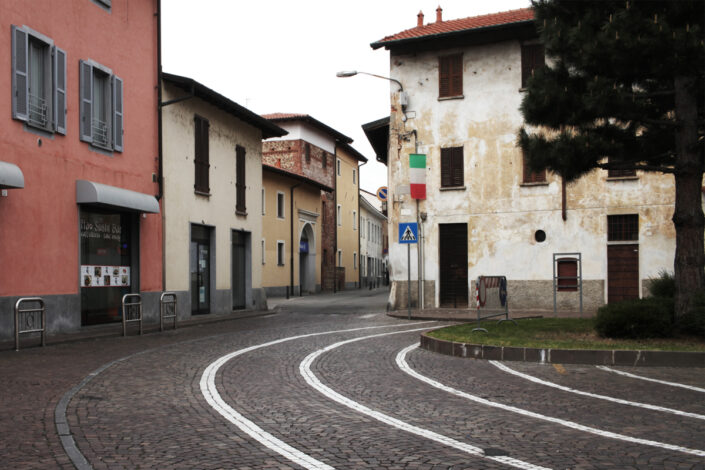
[[624, 88]]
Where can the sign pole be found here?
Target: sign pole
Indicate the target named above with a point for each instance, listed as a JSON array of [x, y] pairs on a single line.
[[408, 271]]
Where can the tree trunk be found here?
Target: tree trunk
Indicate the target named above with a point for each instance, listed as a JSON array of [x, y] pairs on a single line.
[[688, 217]]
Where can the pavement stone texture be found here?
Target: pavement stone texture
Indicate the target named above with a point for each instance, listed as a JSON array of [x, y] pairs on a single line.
[[147, 410]]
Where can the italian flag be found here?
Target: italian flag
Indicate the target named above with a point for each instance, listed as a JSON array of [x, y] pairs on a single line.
[[417, 175]]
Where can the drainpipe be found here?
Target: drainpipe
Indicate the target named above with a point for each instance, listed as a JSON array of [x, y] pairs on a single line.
[[291, 263]]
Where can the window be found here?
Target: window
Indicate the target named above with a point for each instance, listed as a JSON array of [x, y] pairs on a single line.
[[101, 106], [450, 76], [532, 58], [38, 81], [263, 202], [622, 227], [324, 160], [354, 221], [339, 216], [264, 252], [567, 271], [452, 173], [280, 205], [362, 227], [240, 174], [369, 228], [337, 162], [201, 159], [354, 260], [340, 257], [354, 176], [280, 253], [307, 152], [621, 173], [531, 176]]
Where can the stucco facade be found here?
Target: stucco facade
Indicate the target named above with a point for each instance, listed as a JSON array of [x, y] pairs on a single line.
[[372, 263], [212, 237], [292, 248], [506, 224], [347, 191], [53, 231]]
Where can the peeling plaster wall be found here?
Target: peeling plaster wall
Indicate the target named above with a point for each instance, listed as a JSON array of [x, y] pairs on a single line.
[[501, 212]]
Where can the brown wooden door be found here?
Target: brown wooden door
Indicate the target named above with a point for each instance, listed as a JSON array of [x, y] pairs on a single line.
[[453, 255], [622, 272]]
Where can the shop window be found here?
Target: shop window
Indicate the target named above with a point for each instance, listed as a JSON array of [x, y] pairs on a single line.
[[450, 76], [452, 171], [623, 227], [532, 58], [101, 112], [240, 175], [38, 81], [201, 156]]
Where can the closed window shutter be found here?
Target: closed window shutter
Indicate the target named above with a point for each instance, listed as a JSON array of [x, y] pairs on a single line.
[[456, 75], [445, 167], [201, 160], [457, 170], [86, 111], [20, 82], [240, 186], [532, 176], [59, 91], [443, 76], [532, 57], [118, 117]]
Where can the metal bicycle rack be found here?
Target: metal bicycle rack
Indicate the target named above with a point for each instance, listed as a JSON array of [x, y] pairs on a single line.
[[27, 320], [167, 308], [131, 311], [481, 286]]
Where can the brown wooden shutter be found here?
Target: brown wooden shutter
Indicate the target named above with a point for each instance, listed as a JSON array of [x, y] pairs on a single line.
[[532, 176], [450, 75], [445, 167], [457, 170], [240, 186], [532, 57], [201, 160]]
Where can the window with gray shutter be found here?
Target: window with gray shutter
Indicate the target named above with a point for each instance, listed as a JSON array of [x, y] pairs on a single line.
[[60, 90], [20, 94], [201, 159], [240, 187], [452, 171], [86, 90], [118, 130]]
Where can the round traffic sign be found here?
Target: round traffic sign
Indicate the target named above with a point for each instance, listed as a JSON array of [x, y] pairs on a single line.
[[382, 193]]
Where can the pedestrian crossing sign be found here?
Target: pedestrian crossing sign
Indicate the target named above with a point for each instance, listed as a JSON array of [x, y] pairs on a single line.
[[408, 232]]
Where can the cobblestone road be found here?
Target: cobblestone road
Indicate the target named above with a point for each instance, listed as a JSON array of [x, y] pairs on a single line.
[[306, 395]]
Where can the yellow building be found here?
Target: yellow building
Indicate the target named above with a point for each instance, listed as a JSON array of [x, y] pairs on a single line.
[[347, 192], [291, 232]]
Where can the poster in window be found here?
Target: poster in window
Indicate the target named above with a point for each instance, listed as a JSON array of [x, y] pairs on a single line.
[[105, 276]]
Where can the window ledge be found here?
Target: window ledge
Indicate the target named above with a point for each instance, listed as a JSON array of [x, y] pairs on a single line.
[[446, 98], [541, 183], [452, 188], [281, 264], [201, 193], [622, 178], [522, 89], [243, 213]]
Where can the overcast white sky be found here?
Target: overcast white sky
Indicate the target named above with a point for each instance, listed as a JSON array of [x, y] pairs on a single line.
[[282, 55]]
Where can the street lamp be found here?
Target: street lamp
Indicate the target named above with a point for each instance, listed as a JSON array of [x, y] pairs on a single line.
[[352, 73]]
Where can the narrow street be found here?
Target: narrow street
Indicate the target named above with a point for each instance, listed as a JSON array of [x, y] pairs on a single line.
[[331, 381]]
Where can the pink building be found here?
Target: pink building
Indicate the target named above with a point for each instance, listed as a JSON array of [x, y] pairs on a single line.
[[80, 222]]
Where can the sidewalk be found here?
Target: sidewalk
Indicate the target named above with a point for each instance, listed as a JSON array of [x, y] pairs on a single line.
[[470, 314]]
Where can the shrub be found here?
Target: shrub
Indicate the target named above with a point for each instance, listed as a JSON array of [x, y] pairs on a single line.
[[636, 319], [663, 286], [693, 322]]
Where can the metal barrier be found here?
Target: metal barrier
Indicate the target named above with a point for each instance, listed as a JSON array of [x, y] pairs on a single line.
[[27, 320], [131, 311], [494, 306], [167, 308]]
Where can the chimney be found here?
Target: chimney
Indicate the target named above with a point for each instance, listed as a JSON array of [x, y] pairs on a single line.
[[439, 14], [419, 19]]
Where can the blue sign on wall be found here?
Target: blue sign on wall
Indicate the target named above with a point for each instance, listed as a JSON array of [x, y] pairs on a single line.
[[408, 232]]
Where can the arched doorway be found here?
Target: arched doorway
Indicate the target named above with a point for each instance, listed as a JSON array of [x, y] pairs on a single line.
[[307, 259]]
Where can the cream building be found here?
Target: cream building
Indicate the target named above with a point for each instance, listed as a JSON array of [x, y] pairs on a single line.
[[347, 194], [212, 157], [603, 236], [291, 239]]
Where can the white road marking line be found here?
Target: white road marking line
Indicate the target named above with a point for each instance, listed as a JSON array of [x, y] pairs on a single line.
[[401, 361], [594, 395], [368, 315], [312, 380], [634, 376], [210, 392]]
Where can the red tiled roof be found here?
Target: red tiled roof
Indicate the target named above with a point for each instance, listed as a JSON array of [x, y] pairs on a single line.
[[275, 116], [463, 24]]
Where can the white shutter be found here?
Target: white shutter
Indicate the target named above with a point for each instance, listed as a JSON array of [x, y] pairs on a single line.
[[117, 114], [86, 111], [60, 90], [20, 82]]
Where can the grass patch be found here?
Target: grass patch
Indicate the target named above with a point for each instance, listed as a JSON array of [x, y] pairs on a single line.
[[558, 333]]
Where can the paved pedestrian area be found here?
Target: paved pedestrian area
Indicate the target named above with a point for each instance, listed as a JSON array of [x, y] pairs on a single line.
[[340, 384]]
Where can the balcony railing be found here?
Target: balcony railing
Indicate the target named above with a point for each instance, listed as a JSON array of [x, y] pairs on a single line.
[[100, 132], [38, 111]]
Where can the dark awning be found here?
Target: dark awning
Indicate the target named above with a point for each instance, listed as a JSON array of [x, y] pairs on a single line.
[[88, 192], [11, 176]]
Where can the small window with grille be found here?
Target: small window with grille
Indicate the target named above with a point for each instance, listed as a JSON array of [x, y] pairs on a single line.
[[623, 227]]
